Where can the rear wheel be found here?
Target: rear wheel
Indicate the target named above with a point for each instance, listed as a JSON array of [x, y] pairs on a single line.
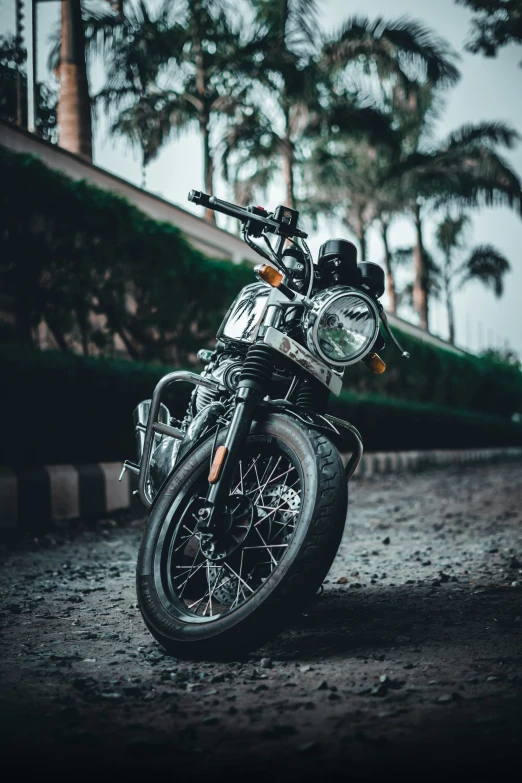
[[283, 523]]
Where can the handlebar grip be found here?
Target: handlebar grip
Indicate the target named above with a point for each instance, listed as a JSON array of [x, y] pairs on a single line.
[[197, 197]]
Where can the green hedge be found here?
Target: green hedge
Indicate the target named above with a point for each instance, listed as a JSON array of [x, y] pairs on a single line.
[[59, 408], [69, 249], [440, 377]]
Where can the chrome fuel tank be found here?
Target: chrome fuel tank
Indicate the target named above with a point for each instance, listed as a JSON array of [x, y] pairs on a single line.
[[245, 314]]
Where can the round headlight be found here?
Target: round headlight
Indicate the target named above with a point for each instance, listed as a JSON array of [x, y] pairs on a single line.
[[341, 325]]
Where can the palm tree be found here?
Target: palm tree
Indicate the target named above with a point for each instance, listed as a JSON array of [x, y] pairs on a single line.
[[321, 121], [485, 263], [464, 170], [165, 74], [303, 89], [74, 106]]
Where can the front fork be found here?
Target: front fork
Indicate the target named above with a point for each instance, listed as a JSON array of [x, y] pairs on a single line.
[[252, 387]]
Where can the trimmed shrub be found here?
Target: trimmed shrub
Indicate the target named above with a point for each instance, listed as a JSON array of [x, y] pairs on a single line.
[[60, 408], [69, 249]]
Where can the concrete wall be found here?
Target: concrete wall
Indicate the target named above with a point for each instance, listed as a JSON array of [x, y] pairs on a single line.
[[209, 239]]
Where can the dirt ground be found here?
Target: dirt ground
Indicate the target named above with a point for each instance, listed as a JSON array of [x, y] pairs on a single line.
[[408, 666]]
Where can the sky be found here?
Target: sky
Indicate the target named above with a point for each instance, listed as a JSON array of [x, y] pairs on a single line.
[[490, 89]]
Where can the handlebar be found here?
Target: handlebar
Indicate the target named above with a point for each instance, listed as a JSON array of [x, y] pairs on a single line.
[[282, 221]]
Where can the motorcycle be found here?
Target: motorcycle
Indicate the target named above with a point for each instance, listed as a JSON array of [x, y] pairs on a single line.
[[247, 493]]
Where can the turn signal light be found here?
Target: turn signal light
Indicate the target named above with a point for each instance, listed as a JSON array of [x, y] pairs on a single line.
[[374, 362], [269, 275], [217, 464]]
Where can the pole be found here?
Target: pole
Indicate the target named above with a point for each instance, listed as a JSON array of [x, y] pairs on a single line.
[[32, 90]]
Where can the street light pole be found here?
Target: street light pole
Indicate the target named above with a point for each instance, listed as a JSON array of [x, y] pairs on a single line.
[[32, 102]]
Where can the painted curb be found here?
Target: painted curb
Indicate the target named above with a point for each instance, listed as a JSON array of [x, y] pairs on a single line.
[[30, 499], [395, 461]]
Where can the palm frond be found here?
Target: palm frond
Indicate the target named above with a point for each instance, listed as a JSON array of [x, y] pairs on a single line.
[[403, 46], [486, 264], [491, 134]]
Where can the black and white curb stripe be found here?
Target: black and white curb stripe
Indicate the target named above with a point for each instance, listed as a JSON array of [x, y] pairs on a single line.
[[30, 499], [395, 461], [33, 497]]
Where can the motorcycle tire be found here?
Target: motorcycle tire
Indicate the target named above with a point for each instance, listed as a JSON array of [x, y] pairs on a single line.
[[307, 517]]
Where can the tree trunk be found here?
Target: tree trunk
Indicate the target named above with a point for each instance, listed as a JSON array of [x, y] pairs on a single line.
[[208, 166], [74, 106], [420, 292], [389, 271], [451, 318], [449, 299], [360, 232], [288, 173], [56, 332]]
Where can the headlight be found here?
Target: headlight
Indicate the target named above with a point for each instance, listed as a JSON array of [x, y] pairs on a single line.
[[341, 325]]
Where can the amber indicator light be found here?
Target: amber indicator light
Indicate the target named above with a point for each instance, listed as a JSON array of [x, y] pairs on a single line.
[[217, 464], [375, 363], [270, 275]]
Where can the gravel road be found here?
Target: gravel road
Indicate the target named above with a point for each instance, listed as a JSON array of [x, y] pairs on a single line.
[[408, 665]]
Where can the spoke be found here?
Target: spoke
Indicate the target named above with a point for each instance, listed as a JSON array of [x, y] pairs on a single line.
[[236, 599], [268, 480], [189, 577], [271, 481], [266, 546], [199, 600], [187, 538], [286, 511], [259, 485], [238, 577], [246, 474], [267, 468], [209, 604], [272, 558]]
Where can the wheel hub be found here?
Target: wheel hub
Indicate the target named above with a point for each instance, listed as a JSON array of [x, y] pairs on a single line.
[[238, 516]]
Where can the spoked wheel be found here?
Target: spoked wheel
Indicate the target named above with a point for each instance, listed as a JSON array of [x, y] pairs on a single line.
[[281, 528], [210, 577]]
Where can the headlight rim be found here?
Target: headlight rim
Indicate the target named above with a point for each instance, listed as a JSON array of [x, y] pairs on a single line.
[[314, 315]]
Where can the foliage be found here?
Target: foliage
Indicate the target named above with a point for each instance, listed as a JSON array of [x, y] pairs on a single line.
[[65, 408], [441, 377], [13, 59], [181, 68], [496, 23], [312, 90], [71, 251]]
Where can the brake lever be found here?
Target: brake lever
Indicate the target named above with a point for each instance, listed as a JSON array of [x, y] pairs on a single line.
[[384, 319]]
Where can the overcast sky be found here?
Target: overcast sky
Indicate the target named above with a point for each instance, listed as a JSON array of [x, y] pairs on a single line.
[[490, 89]]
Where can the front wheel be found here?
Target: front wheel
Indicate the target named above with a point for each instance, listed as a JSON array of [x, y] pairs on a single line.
[[283, 524]]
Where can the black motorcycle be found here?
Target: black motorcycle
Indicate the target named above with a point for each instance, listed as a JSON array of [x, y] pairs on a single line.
[[248, 493]]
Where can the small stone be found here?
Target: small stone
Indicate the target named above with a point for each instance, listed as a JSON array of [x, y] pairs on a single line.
[[386, 540], [408, 666], [379, 690], [309, 747], [266, 663], [445, 698], [304, 669], [342, 580], [323, 686]]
